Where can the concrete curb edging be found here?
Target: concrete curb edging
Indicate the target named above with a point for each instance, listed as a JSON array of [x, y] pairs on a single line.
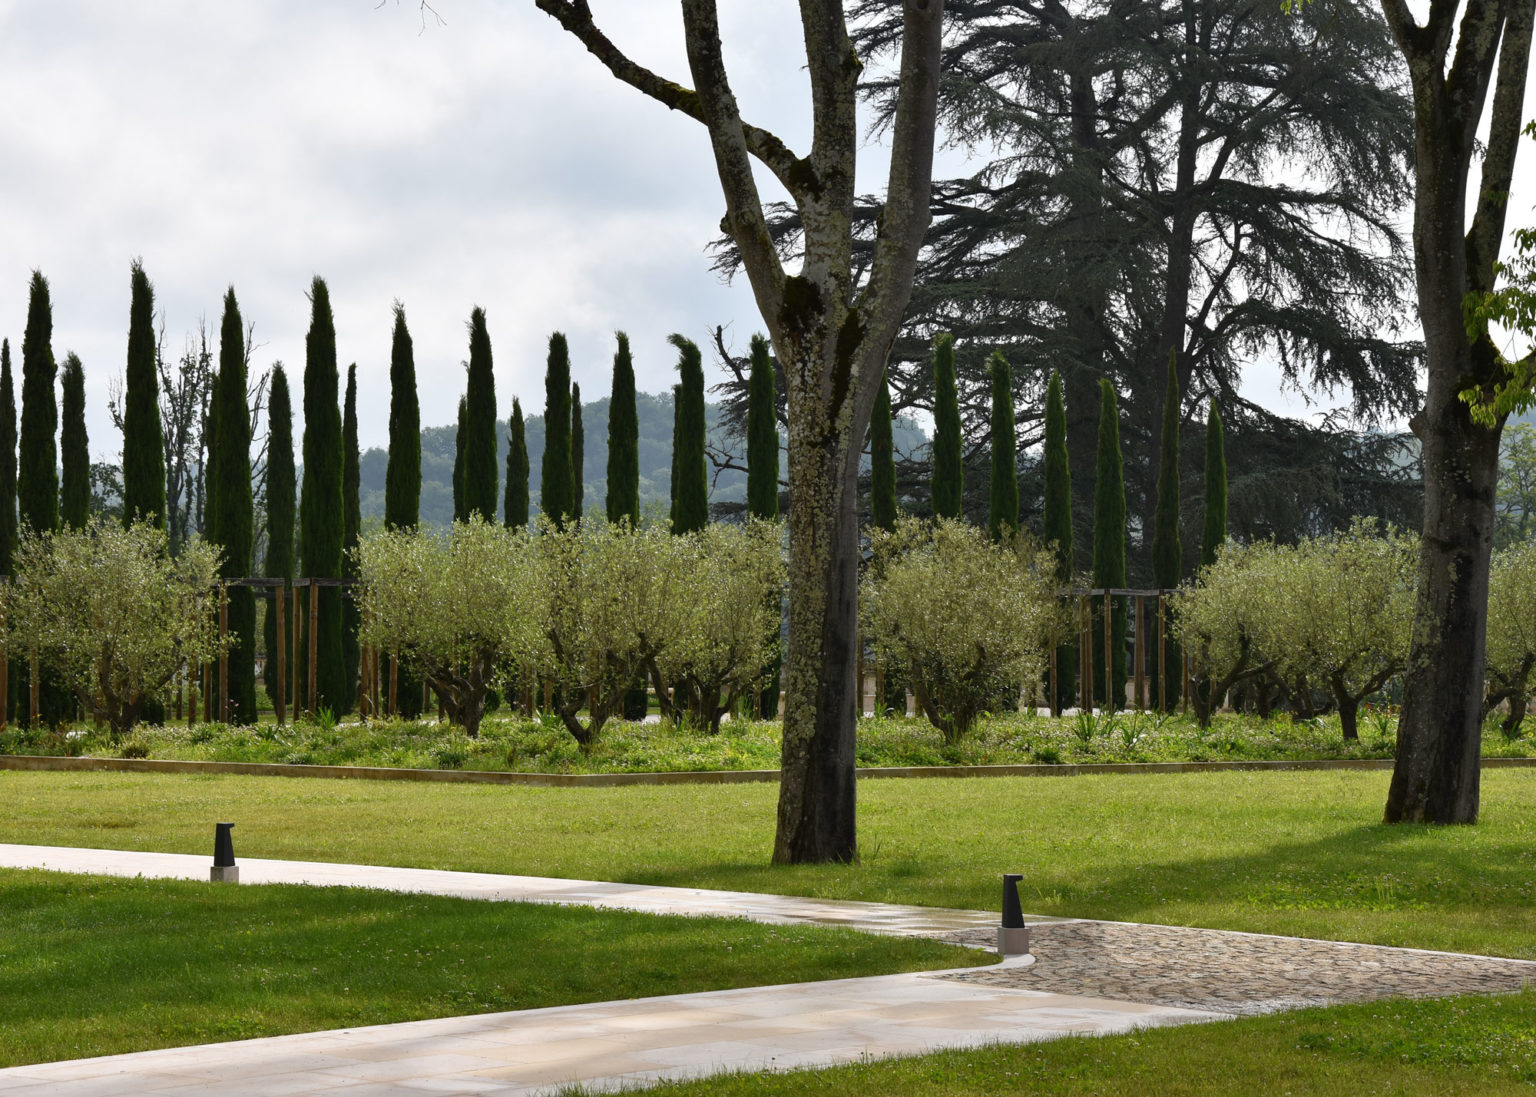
[[28, 762]]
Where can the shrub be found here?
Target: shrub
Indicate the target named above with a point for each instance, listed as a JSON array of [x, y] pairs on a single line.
[[1511, 632]]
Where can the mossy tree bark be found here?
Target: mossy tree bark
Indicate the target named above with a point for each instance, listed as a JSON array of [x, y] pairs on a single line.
[[1437, 771], [832, 333]]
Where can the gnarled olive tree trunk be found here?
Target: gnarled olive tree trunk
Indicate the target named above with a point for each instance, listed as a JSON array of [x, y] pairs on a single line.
[[832, 332], [1436, 776]]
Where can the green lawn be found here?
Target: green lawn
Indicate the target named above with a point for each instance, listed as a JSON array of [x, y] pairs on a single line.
[[94, 965], [1292, 853]]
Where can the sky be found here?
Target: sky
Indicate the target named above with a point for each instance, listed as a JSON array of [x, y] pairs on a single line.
[[483, 160]]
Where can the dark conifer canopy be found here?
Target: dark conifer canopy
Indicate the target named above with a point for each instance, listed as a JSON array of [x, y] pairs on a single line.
[[37, 485], [1109, 535], [402, 478], [1003, 509], [515, 506], [460, 437], [690, 510], [578, 453], [280, 492], [1058, 480], [623, 440], [1167, 555], [320, 522], [231, 524], [74, 448], [762, 436], [882, 461], [1214, 532], [948, 476], [351, 526], [556, 491], [480, 471], [143, 440], [7, 460]]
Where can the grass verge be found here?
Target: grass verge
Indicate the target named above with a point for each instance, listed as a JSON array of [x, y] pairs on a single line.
[[93, 965]]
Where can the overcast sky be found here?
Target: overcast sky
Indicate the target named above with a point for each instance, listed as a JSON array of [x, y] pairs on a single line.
[[489, 161]]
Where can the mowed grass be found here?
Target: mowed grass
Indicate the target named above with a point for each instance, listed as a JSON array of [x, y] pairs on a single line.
[[1477, 1047], [1291, 853], [94, 965]]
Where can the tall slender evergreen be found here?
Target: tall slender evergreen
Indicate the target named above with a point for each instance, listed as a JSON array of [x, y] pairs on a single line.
[[480, 421], [143, 441], [320, 517], [948, 476], [351, 527], [556, 493], [690, 511], [37, 484], [210, 482], [1003, 508], [762, 435], [1167, 553], [1109, 542], [7, 460], [578, 453], [882, 461], [74, 447], [402, 477], [1058, 524], [515, 506], [1215, 529], [460, 501], [623, 440], [232, 522], [677, 402], [281, 489]]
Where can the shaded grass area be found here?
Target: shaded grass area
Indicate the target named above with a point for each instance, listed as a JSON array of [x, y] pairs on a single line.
[[534, 746], [1292, 853], [1471, 1045], [94, 965]]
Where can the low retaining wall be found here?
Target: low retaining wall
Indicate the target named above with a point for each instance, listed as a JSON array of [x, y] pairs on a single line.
[[704, 777]]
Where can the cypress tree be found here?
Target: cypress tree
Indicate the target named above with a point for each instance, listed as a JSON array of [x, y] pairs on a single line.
[[578, 453], [402, 478], [1109, 541], [143, 441], [882, 461], [320, 514], [74, 448], [677, 401], [762, 436], [690, 511], [351, 524], [281, 482], [763, 490], [948, 477], [1215, 530], [209, 481], [480, 425], [231, 523], [1167, 554], [556, 495], [460, 503], [623, 440], [515, 506], [1003, 508], [7, 460], [37, 485], [1058, 524]]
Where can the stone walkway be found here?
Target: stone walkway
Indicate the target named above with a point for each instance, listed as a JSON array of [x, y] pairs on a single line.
[[1085, 977]]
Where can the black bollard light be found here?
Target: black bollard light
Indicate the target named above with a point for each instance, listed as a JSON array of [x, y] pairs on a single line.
[[1013, 934], [224, 868]]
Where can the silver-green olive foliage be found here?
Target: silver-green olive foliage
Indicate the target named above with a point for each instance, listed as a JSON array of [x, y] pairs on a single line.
[[111, 612], [969, 620], [1512, 630]]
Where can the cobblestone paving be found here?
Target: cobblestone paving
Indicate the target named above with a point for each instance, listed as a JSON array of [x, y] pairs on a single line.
[[1237, 973]]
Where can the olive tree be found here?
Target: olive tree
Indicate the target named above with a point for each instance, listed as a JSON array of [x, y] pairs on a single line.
[[607, 598], [1511, 632], [113, 613], [1214, 621], [968, 619], [460, 605], [725, 621], [1337, 611]]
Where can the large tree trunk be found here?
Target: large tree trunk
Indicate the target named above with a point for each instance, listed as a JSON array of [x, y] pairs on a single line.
[[1436, 775]]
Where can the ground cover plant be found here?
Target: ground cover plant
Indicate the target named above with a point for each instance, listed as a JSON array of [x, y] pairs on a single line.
[[93, 965], [507, 742]]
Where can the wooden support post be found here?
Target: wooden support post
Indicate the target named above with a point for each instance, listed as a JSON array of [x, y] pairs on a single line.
[[295, 694], [275, 661], [1085, 650], [1162, 652], [1139, 651], [223, 654], [394, 683], [314, 648]]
